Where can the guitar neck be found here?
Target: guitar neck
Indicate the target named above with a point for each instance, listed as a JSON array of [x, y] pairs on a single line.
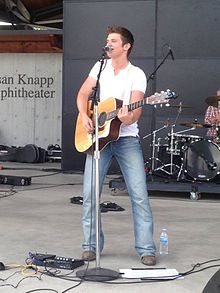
[[137, 104], [157, 98], [131, 107]]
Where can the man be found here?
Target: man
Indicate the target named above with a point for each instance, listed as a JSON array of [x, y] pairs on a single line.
[[212, 117], [126, 82]]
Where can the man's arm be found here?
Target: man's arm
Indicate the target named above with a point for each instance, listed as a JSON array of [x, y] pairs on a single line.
[[129, 117], [84, 93]]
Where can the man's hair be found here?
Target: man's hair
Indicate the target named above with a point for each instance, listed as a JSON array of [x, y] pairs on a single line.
[[126, 35]]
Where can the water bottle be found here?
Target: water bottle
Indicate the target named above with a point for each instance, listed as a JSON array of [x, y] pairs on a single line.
[[164, 242]]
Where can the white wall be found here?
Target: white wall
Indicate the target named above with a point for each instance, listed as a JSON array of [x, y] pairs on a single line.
[[30, 99]]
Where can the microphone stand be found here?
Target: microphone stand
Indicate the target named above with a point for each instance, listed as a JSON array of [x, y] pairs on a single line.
[[97, 274], [151, 77]]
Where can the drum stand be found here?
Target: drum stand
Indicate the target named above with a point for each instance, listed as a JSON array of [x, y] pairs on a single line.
[[172, 167], [154, 145], [172, 149], [181, 175]]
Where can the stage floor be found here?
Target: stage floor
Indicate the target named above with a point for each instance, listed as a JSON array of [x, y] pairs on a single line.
[[41, 218]]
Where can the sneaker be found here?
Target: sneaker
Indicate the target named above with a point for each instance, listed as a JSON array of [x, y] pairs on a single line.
[[88, 255], [148, 260]]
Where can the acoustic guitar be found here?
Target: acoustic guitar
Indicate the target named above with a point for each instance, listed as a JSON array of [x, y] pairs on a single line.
[[108, 123]]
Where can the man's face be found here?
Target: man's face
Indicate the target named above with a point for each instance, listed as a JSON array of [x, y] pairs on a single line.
[[114, 40]]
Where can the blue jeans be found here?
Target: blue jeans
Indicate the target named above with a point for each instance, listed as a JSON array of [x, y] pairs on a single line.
[[128, 153]]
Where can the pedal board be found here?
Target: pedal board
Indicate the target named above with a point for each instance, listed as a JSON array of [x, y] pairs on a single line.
[[51, 260]]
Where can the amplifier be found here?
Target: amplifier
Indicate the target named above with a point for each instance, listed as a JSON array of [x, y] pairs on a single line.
[[15, 180], [53, 155], [51, 260]]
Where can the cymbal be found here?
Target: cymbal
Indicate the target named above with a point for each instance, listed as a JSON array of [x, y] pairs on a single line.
[[195, 125], [213, 101]]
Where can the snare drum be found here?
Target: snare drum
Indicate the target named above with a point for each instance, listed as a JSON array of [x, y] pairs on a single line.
[[180, 142], [202, 160]]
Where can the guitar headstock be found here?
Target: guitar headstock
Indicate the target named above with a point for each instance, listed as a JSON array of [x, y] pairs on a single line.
[[161, 98]]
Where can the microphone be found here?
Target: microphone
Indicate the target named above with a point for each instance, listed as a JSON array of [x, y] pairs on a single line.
[[171, 53], [107, 48]]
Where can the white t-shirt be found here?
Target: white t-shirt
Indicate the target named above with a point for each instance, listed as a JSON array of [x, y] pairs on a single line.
[[119, 86]]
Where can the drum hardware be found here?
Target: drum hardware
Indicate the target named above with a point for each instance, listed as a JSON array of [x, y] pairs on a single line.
[[217, 139], [180, 141], [180, 145], [168, 168], [181, 174], [171, 148], [172, 168], [200, 158], [154, 145], [213, 101]]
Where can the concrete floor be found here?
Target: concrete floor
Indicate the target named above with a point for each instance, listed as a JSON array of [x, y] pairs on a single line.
[[40, 218]]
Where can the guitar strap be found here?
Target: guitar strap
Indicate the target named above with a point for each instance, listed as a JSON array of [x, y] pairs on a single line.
[[127, 86]]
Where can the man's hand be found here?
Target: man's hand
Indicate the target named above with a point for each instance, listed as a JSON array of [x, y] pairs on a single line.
[[125, 116], [87, 124]]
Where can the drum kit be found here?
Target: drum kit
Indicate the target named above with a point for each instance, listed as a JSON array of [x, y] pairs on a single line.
[[182, 156]]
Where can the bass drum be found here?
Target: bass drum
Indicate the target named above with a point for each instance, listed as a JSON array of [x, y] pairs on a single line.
[[202, 160]]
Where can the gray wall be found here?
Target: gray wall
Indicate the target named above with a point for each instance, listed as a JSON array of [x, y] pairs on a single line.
[[30, 99], [189, 27]]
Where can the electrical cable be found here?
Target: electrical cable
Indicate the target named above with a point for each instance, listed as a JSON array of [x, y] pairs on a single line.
[[63, 277], [52, 174], [7, 193], [38, 290], [16, 286], [10, 276], [79, 282]]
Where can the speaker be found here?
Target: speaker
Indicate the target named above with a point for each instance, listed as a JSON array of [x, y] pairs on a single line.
[[213, 285]]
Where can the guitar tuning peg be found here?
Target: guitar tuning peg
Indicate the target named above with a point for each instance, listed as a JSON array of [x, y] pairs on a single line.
[[155, 106], [167, 105]]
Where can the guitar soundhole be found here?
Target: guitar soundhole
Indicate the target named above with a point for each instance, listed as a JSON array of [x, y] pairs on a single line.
[[102, 119]]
